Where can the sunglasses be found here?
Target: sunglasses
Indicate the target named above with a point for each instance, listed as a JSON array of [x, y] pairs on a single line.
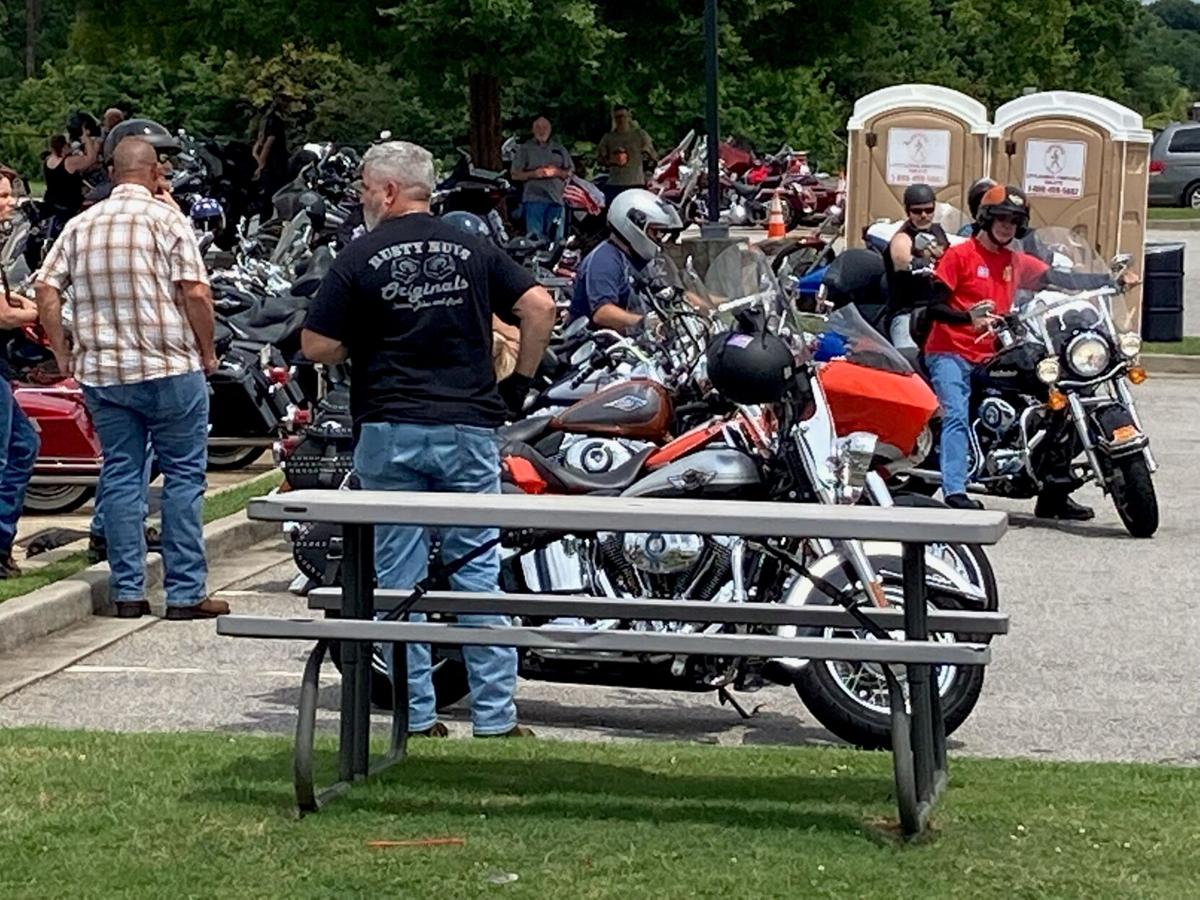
[[921, 210], [1007, 218]]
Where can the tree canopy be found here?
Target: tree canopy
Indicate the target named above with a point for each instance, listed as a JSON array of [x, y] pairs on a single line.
[[448, 72]]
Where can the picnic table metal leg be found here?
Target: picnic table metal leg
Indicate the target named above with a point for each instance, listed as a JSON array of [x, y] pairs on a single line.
[[399, 702], [306, 726], [902, 757], [358, 602], [920, 684]]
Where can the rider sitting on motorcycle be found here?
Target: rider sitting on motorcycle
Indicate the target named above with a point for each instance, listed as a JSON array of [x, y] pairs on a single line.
[[907, 290], [638, 221], [974, 282]]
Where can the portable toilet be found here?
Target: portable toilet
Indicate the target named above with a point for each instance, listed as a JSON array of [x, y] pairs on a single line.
[[1084, 162], [911, 134]]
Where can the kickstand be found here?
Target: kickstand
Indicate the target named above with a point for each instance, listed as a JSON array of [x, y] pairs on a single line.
[[725, 697]]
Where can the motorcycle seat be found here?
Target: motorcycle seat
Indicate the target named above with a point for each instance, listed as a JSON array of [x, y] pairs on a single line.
[[272, 333], [525, 431], [572, 481]]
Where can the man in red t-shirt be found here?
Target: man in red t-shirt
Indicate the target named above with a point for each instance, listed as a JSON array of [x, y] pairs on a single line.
[[973, 283]]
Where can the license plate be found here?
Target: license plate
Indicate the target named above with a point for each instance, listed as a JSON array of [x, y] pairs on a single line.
[[1125, 433]]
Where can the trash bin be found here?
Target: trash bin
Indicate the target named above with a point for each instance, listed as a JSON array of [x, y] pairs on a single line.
[[1162, 293]]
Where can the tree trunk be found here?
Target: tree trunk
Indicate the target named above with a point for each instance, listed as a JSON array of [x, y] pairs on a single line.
[[485, 120], [33, 21]]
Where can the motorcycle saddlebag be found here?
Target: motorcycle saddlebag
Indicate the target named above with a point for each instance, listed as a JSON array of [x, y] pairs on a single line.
[[893, 407], [240, 402]]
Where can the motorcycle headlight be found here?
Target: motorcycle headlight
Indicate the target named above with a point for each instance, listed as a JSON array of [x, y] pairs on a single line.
[[1048, 370], [1088, 354], [1130, 344]]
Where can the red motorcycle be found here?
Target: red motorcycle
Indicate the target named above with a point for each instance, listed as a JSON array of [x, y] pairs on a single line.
[[69, 459]]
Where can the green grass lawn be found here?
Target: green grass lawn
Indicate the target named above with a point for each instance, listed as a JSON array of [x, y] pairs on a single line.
[[100, 815], [1189, 346], [216, 507], [1173, 212]]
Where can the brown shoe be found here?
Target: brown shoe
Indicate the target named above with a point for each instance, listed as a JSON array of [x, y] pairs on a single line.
[[436, 730], [205, 609], [517, 731], [132, 609]]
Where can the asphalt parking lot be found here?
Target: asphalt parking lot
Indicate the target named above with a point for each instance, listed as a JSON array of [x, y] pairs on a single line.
[[1100, 664]]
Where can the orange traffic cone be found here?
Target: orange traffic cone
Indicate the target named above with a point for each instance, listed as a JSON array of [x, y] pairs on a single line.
[[775, 224]]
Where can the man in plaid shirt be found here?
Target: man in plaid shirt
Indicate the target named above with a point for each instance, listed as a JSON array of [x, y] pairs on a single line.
[[142, 321]]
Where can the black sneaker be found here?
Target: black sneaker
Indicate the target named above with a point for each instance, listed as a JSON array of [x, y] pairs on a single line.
[[9, 568], [1064, 509], [962, 501], [97, 550]]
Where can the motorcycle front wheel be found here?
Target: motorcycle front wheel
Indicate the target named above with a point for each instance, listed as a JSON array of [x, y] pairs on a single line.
[[851, 699], [1134, 497]]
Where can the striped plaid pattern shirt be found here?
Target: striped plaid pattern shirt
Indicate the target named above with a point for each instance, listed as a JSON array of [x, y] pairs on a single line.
[[122, 260]]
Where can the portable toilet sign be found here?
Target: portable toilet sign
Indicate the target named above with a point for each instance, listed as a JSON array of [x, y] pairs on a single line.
[[911, 134], [1083, 161]]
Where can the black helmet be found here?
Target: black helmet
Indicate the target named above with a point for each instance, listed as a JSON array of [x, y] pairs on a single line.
[[1006, 199], [80, 123], [750, 368], [918, 195], [975, 194], [146, 129], [468, 222]]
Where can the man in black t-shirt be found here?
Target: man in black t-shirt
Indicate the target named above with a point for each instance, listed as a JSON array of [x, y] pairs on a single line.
[[411, 304], [271, 154]]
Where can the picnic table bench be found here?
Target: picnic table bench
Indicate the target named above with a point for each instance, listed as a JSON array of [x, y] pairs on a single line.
[[918, 730]]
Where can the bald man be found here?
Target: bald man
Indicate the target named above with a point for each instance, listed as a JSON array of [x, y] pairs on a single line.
[[142, 320]]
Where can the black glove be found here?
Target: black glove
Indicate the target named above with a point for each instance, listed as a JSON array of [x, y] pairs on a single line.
[[513, 391]]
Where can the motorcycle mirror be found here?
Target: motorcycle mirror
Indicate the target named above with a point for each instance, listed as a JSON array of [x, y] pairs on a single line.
[[584, 353], [923, 242], [385, 135], [1120, 263]]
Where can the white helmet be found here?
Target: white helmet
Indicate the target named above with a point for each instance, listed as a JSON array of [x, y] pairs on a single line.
[[636, 210]]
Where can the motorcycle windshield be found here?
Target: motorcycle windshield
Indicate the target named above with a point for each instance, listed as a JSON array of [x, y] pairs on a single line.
[[741, 281], [847, 335], [1065, 250]]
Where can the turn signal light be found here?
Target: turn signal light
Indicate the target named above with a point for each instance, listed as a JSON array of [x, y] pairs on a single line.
[[1056, 400], [1137, 374]]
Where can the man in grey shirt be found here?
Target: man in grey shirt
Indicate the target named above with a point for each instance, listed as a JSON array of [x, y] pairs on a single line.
[[544, 166]]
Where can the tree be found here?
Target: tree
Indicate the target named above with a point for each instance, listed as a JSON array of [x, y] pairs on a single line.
[[1183, 15], [481, 45]]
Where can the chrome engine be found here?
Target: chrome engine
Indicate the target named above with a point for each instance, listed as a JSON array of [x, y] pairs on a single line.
[[659, 553]]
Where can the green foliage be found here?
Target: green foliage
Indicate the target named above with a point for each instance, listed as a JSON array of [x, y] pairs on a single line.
[[790, 71]]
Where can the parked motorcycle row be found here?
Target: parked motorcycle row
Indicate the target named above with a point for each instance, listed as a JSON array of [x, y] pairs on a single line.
[[656, 414]]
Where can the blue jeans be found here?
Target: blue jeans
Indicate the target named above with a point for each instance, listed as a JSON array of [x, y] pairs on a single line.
[[171, 414], [951, 376], [97, 526], [466, 459], [542, 219], [18, 453]]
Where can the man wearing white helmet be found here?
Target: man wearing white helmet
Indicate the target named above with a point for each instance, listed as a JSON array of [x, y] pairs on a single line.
[[637, 221]]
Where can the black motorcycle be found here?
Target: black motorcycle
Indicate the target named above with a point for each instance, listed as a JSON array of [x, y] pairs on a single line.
[[1054, 407]]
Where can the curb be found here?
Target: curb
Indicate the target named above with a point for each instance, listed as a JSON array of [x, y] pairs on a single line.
[[63, 603], [1173, 224], [1171, 364]]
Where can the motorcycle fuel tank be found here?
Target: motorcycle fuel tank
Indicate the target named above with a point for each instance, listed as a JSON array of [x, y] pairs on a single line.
[[637, 409], [1014, 369]]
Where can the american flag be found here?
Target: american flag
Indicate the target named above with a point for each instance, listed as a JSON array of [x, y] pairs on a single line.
[[580, 194]]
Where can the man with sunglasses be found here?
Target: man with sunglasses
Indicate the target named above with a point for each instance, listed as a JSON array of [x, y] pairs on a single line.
[[906, 290], [974, 283]]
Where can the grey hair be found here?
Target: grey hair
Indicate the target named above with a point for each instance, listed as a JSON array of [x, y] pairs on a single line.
[[408, 165]]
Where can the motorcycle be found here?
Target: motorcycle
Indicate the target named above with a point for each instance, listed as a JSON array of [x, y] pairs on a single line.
[[1055, 405], [787, 451]]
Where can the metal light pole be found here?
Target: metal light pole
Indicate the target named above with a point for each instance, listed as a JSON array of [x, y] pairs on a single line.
[[712, 228]]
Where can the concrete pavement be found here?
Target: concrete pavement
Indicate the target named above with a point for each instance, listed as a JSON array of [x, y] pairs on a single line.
[[1101, 662]]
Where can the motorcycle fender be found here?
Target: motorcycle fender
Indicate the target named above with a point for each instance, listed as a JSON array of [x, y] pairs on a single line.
[[1115, 433]]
